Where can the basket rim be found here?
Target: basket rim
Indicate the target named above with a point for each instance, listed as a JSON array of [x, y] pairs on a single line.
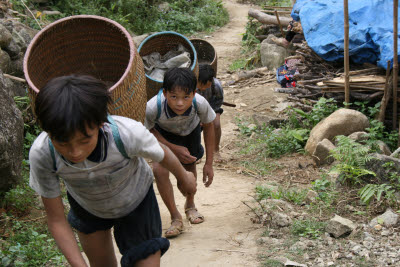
[[174, 33], [55, 23]]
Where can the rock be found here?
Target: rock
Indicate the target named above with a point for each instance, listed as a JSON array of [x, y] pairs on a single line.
[[341, 122], [5, 61], [378, 165], [11, 140], [282, 106], [17, 67], [339, 226], [384, 148], [388, 219], [13, 50], [5, 37], [274, 203], [280, 219], [322, 153], [311, 196], [272, 55], [359, 136]]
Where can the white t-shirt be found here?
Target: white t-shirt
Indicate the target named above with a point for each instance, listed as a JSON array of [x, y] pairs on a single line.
[[178, 124], [116, 186]]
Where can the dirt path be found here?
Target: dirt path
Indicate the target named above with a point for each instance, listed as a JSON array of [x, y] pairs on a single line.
[[227, 237]]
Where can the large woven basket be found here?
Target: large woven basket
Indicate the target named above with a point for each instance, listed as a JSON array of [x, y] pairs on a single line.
[[163, 42], [206, 53], [90, 45]]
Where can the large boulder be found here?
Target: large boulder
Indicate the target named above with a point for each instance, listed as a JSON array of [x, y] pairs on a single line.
[[382, 166], [341, 122], [11, 139], [272, 55], [5, 61], [5, 37]]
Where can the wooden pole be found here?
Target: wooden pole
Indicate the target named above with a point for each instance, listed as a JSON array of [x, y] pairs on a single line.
[[395, 61], [279, 23], [386, 95], [346, 53]]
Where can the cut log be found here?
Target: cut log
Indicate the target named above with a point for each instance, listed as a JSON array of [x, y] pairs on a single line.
[[267, 19], [246, 74]]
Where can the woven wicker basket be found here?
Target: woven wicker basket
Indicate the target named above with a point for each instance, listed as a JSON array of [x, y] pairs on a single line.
[[90, 45], [206, 53], [163, 42]]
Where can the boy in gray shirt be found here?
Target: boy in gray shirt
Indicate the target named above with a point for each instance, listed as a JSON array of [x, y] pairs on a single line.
[[211, 89], [109, 184], [174, 117]]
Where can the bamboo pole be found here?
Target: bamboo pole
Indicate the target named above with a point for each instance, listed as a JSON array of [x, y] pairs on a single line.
[[346, 53], [395, 61], [279, 23]]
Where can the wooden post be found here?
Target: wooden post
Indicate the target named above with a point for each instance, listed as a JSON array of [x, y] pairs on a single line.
[[386, 95], [346, 53], [279, 23], [395, 61]]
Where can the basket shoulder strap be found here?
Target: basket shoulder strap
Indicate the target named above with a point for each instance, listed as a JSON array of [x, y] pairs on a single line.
[[52, 153], [195, 103], [117, 137], [159, 104]]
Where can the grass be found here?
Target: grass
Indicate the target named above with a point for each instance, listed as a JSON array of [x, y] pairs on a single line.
[[308, 228]]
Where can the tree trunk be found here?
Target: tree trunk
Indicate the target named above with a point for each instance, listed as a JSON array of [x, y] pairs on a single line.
[[267, 19]]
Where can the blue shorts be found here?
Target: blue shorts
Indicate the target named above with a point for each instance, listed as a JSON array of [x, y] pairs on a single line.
[[138, 234], [191, 141]]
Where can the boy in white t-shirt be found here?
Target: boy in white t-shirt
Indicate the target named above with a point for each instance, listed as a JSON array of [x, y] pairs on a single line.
[[109, 184], [174, 117]]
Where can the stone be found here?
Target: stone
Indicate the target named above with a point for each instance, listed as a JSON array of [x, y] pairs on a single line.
[[280, 219], [265, 120], [322, 152], [388, 219], [283, 205], [272, 55], [359, 136], [13, 50], [5, 37], [339, 226], [341, 122], [384, 148], [5, 61], [377, 165], [11, 140], [311, 196]]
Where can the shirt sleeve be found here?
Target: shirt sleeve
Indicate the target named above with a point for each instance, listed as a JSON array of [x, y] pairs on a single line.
[[43, 178], [137, 140], [204, 110], [151, 113], [218, 94]]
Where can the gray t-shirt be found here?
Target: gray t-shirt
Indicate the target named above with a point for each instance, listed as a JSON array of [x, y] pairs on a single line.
[[112, 189], [180, 125], [214, 94]]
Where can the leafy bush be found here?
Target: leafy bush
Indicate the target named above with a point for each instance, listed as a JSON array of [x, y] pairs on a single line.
[[308, 228], [291, 195]]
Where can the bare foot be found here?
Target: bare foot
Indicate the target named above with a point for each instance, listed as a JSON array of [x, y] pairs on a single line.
[[218, 158]]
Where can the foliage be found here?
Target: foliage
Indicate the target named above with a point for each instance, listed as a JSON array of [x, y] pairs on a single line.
[[376, 131], [308, 228], [291, 195], [249, 40], [238, 64], [142, 16], [28, 247], [326, 190], [375, 191]]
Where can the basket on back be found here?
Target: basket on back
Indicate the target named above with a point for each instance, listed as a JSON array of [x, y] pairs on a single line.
[[206, 53], [90, 45], [162, 43]]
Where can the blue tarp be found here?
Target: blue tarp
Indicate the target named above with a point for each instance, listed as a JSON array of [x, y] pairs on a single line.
[[370, 29]]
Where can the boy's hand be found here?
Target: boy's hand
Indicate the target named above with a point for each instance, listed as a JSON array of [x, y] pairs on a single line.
[[208, 174], [188, 185], [183, 154]]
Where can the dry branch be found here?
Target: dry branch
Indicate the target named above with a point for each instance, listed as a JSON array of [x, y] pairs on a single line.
[[267, 19]]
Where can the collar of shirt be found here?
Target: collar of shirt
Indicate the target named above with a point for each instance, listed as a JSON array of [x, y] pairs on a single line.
[[171, 114]]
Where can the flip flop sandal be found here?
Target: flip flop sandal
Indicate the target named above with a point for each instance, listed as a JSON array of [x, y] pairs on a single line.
[[192, 218], [174, 230]]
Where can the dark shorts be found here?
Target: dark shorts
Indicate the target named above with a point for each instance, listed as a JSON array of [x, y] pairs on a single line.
[[219, 110], [191, 141], [138, 234]]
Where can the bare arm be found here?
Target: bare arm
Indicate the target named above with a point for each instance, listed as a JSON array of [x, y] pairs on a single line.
[[181, 152], [208, 172], [62, 232]]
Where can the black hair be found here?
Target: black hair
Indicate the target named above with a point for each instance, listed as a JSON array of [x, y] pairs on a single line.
[[70, 103], [182, 78], [206, 73]]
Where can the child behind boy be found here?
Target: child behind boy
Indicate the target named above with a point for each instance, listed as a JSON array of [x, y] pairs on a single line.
[[174, 117], [211, 89], [108, 182]]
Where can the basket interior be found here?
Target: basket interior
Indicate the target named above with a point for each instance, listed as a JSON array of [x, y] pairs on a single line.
[[205, 51], [84, 45]]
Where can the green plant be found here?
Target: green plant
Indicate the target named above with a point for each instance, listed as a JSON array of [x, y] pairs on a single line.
[[308, 228], [376, 131], [238, 64], [292, 195], [376, 191]]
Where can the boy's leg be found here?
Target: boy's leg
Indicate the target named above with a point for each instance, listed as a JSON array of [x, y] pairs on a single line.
[[190, 208], [152, 260], [99, 249], [166, 191], [217, 131]]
